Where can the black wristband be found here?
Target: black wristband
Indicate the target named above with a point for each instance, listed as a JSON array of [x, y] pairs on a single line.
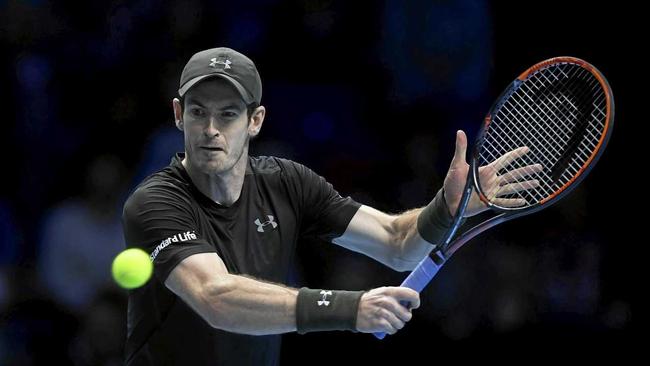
[[321, 310], [435, 220]]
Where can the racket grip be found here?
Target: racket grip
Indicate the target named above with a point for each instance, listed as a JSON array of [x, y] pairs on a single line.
[[418, 279]]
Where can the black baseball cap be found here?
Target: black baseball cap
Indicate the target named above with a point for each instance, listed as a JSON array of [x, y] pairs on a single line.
[[227, 64]]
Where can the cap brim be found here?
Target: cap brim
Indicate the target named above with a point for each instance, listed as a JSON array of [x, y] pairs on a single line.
[[244, 94]]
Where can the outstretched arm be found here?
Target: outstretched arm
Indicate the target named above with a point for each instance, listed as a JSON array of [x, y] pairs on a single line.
[[245, 305], [393, 240], [231, 302], [397, 240]]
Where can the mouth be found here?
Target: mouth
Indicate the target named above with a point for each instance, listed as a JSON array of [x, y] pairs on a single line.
[[211, 149]]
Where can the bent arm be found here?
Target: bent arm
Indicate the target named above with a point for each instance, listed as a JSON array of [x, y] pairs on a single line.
[[233, 303], [393, 240]]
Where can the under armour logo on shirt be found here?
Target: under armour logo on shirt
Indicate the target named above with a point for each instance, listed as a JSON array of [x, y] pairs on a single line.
[[226, 63], [261, 225], [324, 301]]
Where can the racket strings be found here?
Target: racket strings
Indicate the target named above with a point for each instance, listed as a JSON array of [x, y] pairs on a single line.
[[569, 112], [559, 113], [514, 109], [545, 142], [551, 127], [548, 150], [583, 92]]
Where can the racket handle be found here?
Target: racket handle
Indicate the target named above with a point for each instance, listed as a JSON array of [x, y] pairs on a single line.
[[418, 279]]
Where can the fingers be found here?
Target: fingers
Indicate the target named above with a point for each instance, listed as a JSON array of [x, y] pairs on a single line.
[[395, 322], [461, 149], [508, 202], [517, 174], [405, 295], [488, 177], [387, 327], [506, 159], [401, 310], [518, 187], [393, 315], [385, 309]]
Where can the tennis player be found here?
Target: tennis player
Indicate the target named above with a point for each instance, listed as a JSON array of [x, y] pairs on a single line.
[[222, 228]]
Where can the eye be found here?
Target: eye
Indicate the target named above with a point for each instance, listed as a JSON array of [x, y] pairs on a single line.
[[197, 112], [228, 114]]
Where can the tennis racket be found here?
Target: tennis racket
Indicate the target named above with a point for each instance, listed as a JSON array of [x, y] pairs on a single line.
[[557, 115]]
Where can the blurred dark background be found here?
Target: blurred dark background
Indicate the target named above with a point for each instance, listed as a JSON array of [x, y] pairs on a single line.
[[366, 93]]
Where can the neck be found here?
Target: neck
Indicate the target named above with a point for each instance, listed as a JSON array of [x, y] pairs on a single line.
[[223, 188]]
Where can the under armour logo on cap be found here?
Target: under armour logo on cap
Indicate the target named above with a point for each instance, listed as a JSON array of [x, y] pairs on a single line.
[[214, 63], [227, 64]]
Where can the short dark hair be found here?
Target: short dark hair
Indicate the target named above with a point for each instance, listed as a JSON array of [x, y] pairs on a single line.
[[250, 109]]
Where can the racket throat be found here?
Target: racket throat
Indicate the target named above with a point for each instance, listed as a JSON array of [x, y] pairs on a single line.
[[438, 257]]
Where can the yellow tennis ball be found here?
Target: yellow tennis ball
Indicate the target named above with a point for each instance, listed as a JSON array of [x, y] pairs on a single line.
[[132, 268]]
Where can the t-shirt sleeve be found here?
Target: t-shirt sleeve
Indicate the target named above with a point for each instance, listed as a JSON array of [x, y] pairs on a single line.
[[158, 219], [325, 213]]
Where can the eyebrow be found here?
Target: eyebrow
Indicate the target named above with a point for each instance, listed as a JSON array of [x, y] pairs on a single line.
[[231, 106], [191, 100]]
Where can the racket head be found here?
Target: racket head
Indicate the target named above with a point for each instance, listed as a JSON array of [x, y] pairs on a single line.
[[562, 109]]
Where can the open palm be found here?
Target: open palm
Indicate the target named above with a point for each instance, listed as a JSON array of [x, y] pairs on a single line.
[[493, 185]]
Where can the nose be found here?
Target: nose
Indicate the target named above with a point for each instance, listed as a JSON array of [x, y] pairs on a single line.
[[212, 129]]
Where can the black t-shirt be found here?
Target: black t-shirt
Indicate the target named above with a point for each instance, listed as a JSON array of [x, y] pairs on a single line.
[[281, 203]]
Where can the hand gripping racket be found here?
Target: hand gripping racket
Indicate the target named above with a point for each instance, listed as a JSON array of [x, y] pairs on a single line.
[[562, 111]]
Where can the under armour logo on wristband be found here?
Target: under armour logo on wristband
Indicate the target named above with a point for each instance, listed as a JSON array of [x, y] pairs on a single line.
[[261, 225], [324, 301]]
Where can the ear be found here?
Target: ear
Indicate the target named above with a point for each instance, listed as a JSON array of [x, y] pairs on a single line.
[[256, 121], [178, 113]]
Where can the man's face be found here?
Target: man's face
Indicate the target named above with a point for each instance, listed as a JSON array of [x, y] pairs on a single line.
[[215, 125]]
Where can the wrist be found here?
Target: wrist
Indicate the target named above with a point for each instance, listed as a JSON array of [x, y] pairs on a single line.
[[323, 310], [435, 219], [449, 204]]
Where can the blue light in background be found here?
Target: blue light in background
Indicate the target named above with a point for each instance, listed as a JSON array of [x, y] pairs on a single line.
[[472, 81], [10, 236], [437, 50], [33, 73], [318, 126], [245, 32], [303, 115], [158, 151]]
